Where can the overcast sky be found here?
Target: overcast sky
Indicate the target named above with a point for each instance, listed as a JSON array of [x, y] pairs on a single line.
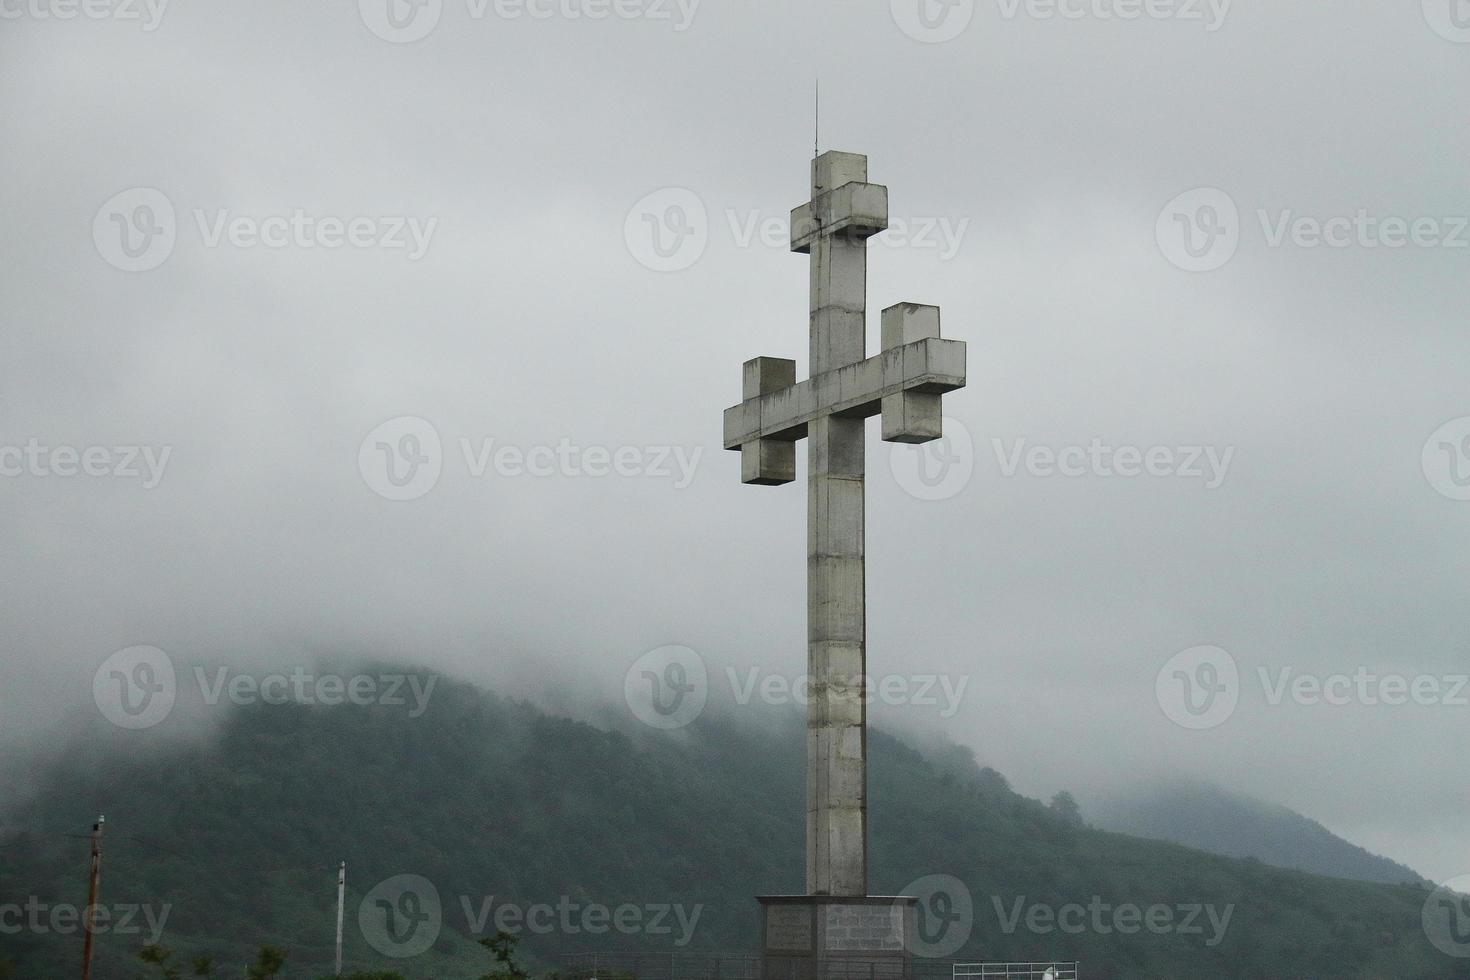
[[1303, 507]]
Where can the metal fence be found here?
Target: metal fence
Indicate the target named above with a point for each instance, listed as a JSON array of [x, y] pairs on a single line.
[[747, 966], [1015, 971], [662, 966]]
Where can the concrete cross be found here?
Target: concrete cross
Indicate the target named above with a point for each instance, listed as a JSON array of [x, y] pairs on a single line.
[[903, 384]]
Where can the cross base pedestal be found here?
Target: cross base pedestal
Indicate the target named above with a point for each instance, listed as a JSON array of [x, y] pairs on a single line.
[[831, 937]]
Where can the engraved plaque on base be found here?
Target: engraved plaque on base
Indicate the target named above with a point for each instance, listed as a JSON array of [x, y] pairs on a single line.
[[824, 937], [789, 929]]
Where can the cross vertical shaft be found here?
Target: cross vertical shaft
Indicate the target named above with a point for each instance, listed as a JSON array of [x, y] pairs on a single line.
[[903, 383], [837, 811]]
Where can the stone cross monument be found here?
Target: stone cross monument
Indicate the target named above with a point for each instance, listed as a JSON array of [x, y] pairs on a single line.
[[837, 919]]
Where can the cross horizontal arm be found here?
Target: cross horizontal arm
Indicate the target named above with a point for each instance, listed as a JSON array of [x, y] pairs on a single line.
[[856, 210], [929, 366]]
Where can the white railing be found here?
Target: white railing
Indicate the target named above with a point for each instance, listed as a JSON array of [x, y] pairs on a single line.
[[1015, 971]]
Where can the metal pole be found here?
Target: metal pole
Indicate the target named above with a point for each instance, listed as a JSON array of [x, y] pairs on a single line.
[[341, 894], [89, 914]]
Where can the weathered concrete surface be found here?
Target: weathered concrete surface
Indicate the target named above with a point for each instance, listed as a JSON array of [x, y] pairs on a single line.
[[806, 936], [903, 383], [931, 366]]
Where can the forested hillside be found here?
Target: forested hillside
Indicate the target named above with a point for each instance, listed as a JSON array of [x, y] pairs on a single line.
[[497, 803]]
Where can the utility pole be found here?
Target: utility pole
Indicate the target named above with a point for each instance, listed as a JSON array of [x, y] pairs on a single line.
[[89, 914], [341, 894]]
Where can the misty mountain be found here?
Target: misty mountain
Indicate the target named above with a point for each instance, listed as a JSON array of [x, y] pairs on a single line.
[[231, 841], [1207, 817]]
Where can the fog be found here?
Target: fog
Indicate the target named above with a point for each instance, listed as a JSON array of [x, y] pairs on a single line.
[[505, 287]]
